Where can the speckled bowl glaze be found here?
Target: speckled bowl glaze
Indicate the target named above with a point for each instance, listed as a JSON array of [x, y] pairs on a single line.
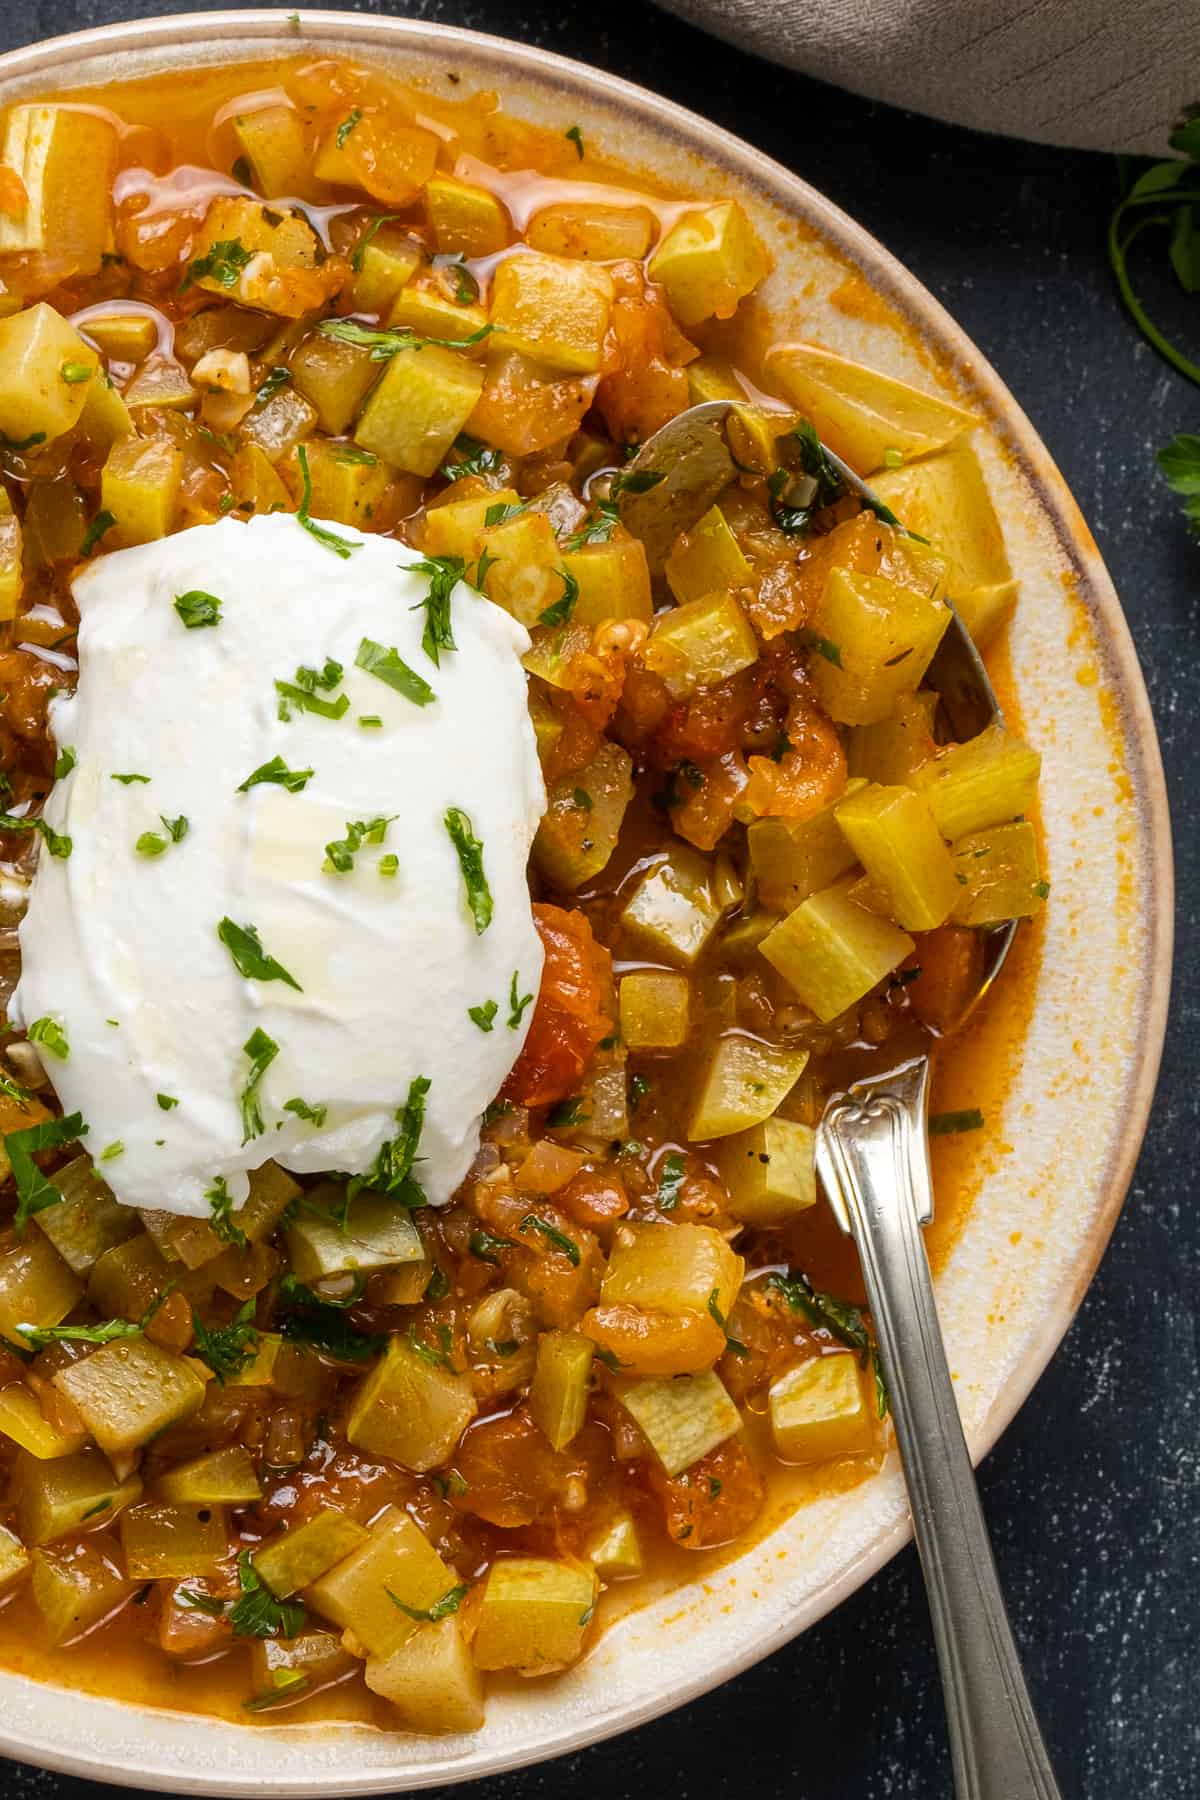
[[1056, 1163]]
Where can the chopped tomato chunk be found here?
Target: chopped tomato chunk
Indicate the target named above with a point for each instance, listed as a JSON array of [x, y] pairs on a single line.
[[569, 1018]]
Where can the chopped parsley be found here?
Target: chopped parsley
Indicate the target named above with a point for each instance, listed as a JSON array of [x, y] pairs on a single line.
[[486, 1247], [474, 458], [501, 511], [64, 762], [574, 135], [197, 609], [278, 378], [226, 1349], [552, 1235], [220, 1210], [389, 666], [823, 646], [947, 1123], [129, 780], [56, 843], [103, 522], [36, 1337], [301, 692], [566, 1112], [441, 1609], [285, 1684], [258, 1614], [262, 1051], [671, 1179], [443, 573], [484, 1016], [111, 1151], [517, 1002], [343, 547], [277, 772], [310, 1320], [166, 1101], [245, 947], [392, 1172], [347, 126], [152, 843], [1179, 463], [314, 1115], [470, 861], [222, 262], [365, 241], [34, 1192], [561, 610], [49, 1032], [840, 1318], [732, 1344], [340, 854], [383, 345]]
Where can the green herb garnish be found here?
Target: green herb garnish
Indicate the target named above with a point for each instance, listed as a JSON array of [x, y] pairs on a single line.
[[567, 1112], [383, 345], [1166, 196], [732, 1344], [166, 1101], [486, 1247], [470, 861], [364, 242], [443, 572], [151, 843], [347, 126], [517, 1002], [34, 1192], [390, 667], [220, 1209], [245, 947], [340, 854], [75, 373], [278, 378], [313, 1115], [223, 263], [111, 1151], [227, 1349], [575, 136], [258, 1614], [64, 762], [840, 1318], [49, 1032], [56, 843], [1180, 466], [561, 610], [103, 521], [262, 1051], [552, 1235], [286, 1684], [474, 458], [343, 547], [277, 772], [441, 1609], [131, 780], [197, 609], [484, 1016], [672, 1176]]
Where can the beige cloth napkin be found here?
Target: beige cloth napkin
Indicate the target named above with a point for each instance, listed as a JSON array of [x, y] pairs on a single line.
[[1098, 74]]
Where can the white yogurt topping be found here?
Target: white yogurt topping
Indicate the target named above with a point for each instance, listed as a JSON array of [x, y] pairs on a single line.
[[121, 949]]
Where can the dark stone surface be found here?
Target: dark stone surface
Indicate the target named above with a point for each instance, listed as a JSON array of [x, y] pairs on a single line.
[[1094, 1493]]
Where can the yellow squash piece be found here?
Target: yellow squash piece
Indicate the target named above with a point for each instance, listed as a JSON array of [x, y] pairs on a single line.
[[410, 1408], [278, 424], [390, 162], [875, 641], [655, 1006], [139, 486], [23, 1421], [219, 1478], [862, 413], [415, 412], [743, 1082], [527, 576], [333, 377], [582, 821], [453, 527], [160, 382], [893, 749], [376, 1234], [163, 1541], [382, 262], [893, 834], [673, 909], [432, 1681], [87, 1221], [534, 1614], [614, 1550], [707, 559], [297, 1557], [709, 262], [697, 645], [945, 499], [11, 573], [76, 1586], [682, 1417], [769, 1171], [465, 220], [105, 416], [65, 158], [613, 581], [591, 232], [128, 1391], [45, 372], [365, 1594], [14, 1559], [999, 875], [55, 1499], [562, 1380], [424, 306], [832, 952], [753, 429], [819, 1410], [36, 1286], [987, 781], [272, 140], [553, 310], [793, 858], [673, 1268]]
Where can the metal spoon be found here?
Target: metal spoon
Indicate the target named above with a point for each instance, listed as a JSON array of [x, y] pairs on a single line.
[[872, 1154]]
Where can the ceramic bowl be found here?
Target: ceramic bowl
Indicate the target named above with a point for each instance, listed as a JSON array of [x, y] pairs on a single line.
[[1054, 1167]]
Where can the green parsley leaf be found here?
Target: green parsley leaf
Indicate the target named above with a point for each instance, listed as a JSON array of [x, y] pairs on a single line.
[[383, 345], [64, 762], [343, 547], [486, 561], [443, 572], [34, 1192], [103, 522], [473, 458], [56, 844], [449, 1603], [262, 1051], [285, 1684], [314, 1115], [49, 1032], [223, 263], [485, 1246], [597, 528], [367, 238], [130, 780], [347, 126], [205, 1603], [517, 1002], [245, 947], [278, 378], [198, 609], [839, 1318], [311, 1320], [501, 511], [552, 1235], [470, 861], [227, 1349], [566, 1113], [277, 772], [575, 136], [1179, 462], [484, 1016], [561, 610], [150, 843], [732, 1344], [111, 1151], [166, 1101], [946, 1124], [672, 1175], [258, 1614], [340, 854], [36, 1337], [389, 666], [220, 1207], [823, 647], [1164, 196], [634, 481]]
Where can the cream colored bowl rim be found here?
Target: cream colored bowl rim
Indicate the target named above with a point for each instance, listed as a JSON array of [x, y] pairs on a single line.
[[130, 1757]]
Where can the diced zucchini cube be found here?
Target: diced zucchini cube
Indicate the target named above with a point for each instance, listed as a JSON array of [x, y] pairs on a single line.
[[613, 581], [709, 262], [410, 1409], [819, 1410], [697, 645], [287, 238], [583, 817], [343, 487], [432, 1681], [87, 1221], [333, 377], [139, 486], [126, 1280], [391, 162], [527, 577], [862, 413], [672, 1268], [614, 1550], [424, 306], [465, 220], [65, 158], [36, 399], [77, 1586], [681, 1417], [562, 1380], [987, 781], [533, 1614], [832, 952], [453, 528], [36, 1286], [277, 425], [404, 1285], [893, 834], [128, 1391], [706, 560], [256, 484], [739, 945], [125, 337], [553, 310], [22, 1420], [272, 140], [261, 1371], [752, 429], [793, 858], [54, 1499], [14, 1559], [220, 1478], [272, 1191], [999, 874], [743, 1082], [415, 412], [377, 1234], [395, 1563], [655, 1006], [295, 1558], [382, 264], [673, 909], [105, 416], [769, 1172], [11, 567], [591, 232], [945, 499], [893, 749], [160, 382], [162, 1541], [876, 640], [317, 1655]]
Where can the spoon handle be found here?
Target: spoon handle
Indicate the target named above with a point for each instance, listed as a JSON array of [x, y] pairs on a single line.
[[873, 1158]]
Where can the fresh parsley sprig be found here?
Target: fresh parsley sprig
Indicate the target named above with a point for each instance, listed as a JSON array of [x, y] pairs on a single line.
[[277, 772], [245, 946], [34, 1191], [383, 345], [470, 861], [444, 573], [1166, 196], [343, 547]]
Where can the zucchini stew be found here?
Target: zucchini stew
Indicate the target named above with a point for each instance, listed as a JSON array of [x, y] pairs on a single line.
[[437, 901]]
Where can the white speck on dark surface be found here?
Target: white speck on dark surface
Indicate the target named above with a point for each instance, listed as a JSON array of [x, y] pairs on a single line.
[[1093, 1495]]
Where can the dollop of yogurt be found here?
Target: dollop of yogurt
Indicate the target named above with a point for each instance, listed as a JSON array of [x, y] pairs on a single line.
[[384, 959]]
